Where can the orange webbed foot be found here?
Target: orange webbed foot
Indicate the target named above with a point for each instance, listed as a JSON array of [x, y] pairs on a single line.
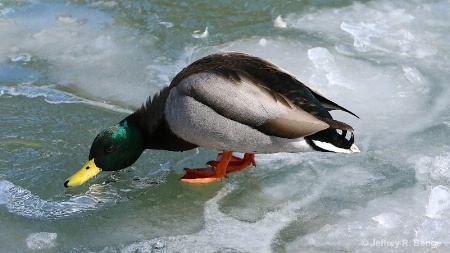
[[206, 175], [200, 175], [225, 164], [236, 164]]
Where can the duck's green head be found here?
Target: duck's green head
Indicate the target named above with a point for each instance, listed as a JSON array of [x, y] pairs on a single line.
[[113, 149]]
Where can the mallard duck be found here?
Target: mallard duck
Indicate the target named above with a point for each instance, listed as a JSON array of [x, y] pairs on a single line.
[[231, 102]]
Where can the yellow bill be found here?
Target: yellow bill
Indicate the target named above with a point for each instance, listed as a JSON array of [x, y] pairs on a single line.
[[88, 171]]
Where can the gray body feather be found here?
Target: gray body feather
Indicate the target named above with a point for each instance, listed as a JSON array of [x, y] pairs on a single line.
[[198, 113]]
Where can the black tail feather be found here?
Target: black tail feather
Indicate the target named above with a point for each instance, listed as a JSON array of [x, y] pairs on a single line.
[[339, 140]]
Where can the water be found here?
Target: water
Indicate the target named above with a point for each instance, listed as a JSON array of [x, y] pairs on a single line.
[[70, 69]]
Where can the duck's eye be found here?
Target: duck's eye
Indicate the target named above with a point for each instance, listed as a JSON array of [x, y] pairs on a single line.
[[110, 149]]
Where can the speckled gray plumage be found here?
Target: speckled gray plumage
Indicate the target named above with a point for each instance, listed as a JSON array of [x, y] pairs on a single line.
[[235, 101], [198, 123], [214, 112]]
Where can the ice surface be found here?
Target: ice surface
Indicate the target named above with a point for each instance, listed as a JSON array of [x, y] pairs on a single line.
[[240, 236], [41, 240], [379, 27], [279, 22], [22, 57], [402, 224], [166, 24], [54, 96], [439, 202], [104, 4], [433, 171], [200, 35], [388, 220], [79, 41], [327, 68], [262, 42], [22, 202]]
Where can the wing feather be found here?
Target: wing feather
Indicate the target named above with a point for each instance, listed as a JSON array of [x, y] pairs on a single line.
[[252, 104]]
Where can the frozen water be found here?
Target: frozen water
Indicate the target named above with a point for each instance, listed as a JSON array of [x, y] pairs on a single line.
[[166, 24], [22, 57], [262, 42], [359, 232], [414, 76], [326, 67], [200, 35], [279, 22], [50, 94], [223, 233], [433, 171], [388, 220], [381, 27], [22, 202], [79, 42], [41, 240], [104, 4], [54, 96], [439, 202]]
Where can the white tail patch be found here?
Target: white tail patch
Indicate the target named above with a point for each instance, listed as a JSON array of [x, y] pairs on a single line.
[[331, 147]]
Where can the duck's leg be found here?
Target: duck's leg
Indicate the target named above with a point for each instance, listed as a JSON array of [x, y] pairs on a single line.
[[206, 175], [236, 164]]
